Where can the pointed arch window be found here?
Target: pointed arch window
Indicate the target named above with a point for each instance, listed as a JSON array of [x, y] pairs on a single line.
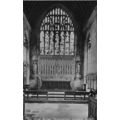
[[57, 33]]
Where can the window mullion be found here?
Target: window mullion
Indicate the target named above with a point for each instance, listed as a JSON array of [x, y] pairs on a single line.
[[44, 39]]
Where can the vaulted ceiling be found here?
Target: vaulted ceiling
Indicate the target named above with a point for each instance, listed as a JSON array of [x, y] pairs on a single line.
[[81, 10]]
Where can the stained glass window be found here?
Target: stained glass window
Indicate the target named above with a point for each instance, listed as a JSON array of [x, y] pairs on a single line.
[[57, 34]]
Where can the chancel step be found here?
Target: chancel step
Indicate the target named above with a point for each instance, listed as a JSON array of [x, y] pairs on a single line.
[[55, 93]]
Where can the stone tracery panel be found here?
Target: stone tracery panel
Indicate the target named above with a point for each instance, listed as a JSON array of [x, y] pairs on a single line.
[[60, 69]]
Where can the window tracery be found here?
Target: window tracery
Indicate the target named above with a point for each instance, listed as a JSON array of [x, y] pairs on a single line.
[[57, 34]]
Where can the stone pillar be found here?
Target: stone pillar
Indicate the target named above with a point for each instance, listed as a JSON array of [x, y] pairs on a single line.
[[28, 66], [35, 68], [78, 76], [35, 71], [28, 75], [36, 75], [77, 82]]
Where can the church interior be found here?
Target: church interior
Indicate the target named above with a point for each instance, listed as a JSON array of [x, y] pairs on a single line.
[[60, 60]]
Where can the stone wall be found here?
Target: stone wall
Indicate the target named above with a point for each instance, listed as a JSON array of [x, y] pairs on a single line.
[[26, 39], [90, 51]]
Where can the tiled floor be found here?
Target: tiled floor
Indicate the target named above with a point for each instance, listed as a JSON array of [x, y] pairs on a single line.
[[53, 111]]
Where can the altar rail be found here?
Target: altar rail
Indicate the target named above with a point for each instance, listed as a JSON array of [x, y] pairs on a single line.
[[38, 95]]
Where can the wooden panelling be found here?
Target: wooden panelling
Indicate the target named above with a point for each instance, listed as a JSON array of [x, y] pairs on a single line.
[[92, 108], [92, 81]]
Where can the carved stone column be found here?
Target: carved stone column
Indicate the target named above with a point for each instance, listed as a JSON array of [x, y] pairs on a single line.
[[35, 68], [33, 80], [78, 76], [36, 81], [77, 82], [28, 74]]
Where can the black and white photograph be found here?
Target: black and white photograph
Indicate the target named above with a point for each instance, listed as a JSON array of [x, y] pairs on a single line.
[[60, 60]]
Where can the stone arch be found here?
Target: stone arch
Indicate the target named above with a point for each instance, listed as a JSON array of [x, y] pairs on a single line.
[[70, 14]]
